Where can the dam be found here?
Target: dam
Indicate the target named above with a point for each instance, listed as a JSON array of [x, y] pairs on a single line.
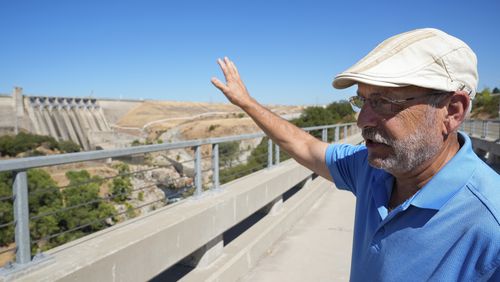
[[81, 120], [75, 119]]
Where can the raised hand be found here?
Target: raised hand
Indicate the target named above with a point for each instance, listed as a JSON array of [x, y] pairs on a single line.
[[234, 88]]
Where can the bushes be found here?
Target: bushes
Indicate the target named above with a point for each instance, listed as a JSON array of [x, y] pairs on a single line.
[[486, 104], [121, 186], [338, 112], [27, 142], [72, 211], [6, 215], [228, 152], [68, 147]]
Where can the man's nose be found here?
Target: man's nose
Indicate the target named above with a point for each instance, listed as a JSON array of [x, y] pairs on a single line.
[[367, 117]]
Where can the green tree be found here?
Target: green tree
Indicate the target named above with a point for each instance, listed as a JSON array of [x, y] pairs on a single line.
[[27, 142], [44, 200], [6, 215], [68, 147], [228, 152], [85, 211], [337, 112], [485, 103], [43, 191], [121, 187]]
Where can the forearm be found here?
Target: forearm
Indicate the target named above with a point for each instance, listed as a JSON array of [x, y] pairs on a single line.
[[303, 147], [288, 136]]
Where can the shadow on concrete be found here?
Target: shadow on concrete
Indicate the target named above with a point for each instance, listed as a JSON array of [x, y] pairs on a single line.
[[179, 270]]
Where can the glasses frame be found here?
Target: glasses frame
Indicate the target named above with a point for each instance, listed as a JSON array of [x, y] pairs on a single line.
[[396, 105]]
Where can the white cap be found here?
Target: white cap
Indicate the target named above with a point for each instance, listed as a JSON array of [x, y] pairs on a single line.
[[428, 58]]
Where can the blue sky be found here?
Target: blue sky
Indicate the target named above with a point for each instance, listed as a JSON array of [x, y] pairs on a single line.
[[287, 51]]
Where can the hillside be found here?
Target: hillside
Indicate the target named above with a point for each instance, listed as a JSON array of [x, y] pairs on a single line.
[[173, 121]]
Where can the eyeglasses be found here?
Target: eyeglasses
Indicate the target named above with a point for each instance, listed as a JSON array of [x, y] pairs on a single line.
[[383, 105]]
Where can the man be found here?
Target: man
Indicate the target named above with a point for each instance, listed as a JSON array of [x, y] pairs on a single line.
[[427, 207]]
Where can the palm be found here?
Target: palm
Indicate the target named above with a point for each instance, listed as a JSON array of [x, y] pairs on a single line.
[[234, 88]]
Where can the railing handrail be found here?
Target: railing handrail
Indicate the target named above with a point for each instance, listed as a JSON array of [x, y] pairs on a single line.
[[42, 161], [481, 120], [483, 129], [20, 166]]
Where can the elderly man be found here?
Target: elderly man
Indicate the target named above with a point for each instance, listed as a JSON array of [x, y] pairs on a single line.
[[427, 207]]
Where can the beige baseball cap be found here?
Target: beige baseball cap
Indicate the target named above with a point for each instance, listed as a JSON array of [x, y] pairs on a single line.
[[428, 58]]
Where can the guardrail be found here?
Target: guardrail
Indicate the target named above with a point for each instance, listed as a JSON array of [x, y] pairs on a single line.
[[37, 229], [485, 129]]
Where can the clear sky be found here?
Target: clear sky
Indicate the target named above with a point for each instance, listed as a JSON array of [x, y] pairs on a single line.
[[287, 51]]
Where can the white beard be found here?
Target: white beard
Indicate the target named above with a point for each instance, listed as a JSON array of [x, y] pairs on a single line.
[[409, 152]]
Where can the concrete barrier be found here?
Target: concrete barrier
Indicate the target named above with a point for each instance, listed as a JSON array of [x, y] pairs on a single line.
[[140, 249]]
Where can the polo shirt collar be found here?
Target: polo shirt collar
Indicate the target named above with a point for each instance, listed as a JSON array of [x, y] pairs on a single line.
[[449, 180]]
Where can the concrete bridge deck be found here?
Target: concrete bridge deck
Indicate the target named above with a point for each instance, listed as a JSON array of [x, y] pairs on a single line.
[[317, 248]]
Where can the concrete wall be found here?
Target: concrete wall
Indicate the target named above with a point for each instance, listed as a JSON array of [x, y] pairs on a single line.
[[115, 109], [6, 112], [140, 249]]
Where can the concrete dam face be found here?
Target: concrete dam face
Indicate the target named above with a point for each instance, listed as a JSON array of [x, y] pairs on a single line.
[[80, 120], [88, 122]]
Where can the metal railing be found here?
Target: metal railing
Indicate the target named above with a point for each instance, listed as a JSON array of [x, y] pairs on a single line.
[[204, 155], [484, 129]]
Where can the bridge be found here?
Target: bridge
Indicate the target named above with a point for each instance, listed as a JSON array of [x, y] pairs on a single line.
[[485, 136], [279, 222]]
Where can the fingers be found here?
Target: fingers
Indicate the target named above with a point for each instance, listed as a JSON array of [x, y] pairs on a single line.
[[223, 67], [219, 84], [230, 74], [228, 68], [229, 65], [235, 69]]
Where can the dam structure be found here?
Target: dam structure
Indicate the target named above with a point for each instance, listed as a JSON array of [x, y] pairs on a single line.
[[81, 120], [75, 119]]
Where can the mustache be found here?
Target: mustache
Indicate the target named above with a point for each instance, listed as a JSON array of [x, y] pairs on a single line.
[[376, 135]]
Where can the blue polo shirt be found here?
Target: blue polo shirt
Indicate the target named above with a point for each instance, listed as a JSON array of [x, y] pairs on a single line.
[[448, 231]]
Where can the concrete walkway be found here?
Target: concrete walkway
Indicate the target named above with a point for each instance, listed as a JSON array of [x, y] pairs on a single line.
[[318, 248]]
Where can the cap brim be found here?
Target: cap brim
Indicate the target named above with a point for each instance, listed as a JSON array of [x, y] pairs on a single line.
[[343, 81]]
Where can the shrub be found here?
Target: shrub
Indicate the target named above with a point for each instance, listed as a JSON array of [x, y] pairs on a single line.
[[212, 127], [68, 146], [27, 143]]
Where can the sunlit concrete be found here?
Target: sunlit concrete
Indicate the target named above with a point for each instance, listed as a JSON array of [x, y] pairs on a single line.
[[317, 248]]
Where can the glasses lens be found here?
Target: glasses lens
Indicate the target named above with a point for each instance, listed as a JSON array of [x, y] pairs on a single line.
[[356, 103]]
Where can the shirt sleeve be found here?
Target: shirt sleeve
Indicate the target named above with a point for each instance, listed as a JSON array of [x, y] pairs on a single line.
[[345, 163]]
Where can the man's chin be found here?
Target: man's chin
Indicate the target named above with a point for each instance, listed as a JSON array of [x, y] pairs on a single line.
[[381, 163], [376, 163]]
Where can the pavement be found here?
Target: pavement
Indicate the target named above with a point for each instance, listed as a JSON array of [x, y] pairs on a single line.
[[318, 248]]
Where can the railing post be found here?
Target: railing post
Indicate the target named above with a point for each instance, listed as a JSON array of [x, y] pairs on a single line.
[[498, 130], [483, 131], [345, 132], [269, 153], [486, 131], [197, 170], [276, 154], [215, 165], [21, 218], [337, 133], [324, 134]]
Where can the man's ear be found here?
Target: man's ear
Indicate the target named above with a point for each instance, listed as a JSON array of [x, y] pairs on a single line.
[[457, 109]]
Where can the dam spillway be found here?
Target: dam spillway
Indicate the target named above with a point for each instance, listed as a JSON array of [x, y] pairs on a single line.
[[75, 119], [88, 122]]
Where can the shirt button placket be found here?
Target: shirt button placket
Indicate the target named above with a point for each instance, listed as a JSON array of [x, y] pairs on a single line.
[[375, 245]]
